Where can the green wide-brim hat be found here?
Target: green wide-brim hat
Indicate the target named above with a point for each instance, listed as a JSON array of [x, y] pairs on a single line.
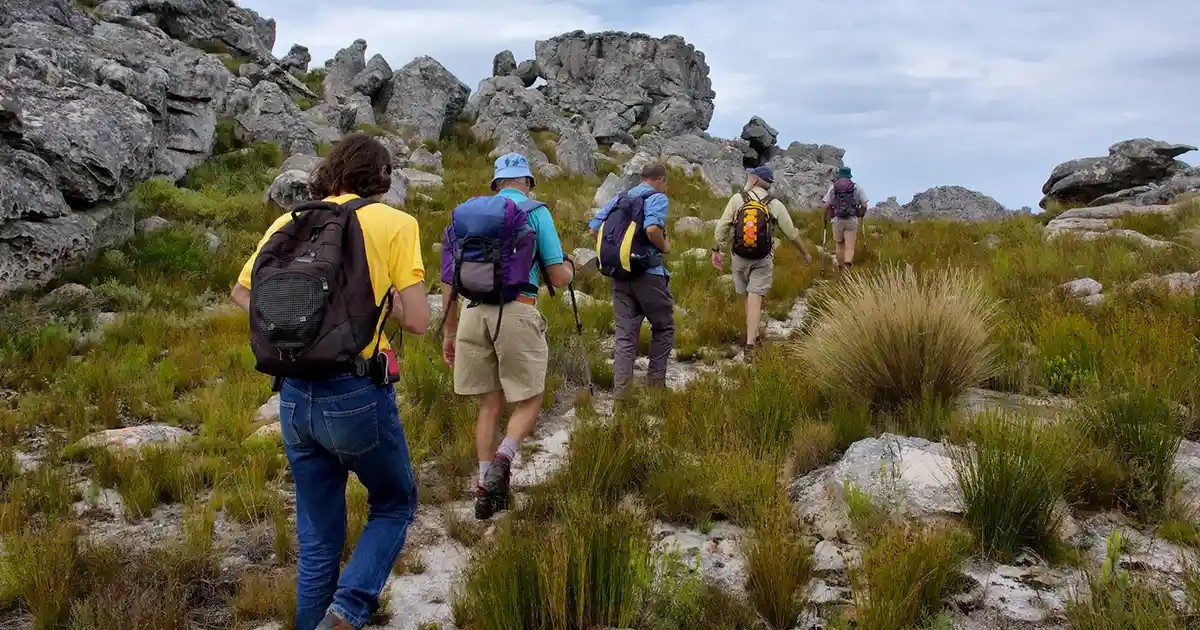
[[844, 171]]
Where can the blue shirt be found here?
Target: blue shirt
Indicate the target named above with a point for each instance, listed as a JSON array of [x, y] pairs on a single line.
[[547, 247], [655, 214]]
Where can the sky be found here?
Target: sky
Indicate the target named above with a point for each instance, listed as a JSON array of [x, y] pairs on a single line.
[[920, 93]]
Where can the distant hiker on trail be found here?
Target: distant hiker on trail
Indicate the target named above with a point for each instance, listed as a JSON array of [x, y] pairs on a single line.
[[845, 203], [749, 223], [318, 289], [631, 240], [497, 346]]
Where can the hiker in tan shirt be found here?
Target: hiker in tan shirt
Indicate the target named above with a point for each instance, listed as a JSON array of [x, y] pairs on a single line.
[[753, 262]]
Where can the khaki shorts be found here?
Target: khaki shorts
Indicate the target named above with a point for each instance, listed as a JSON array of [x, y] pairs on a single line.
[[752, 276], [515, 362], [842, 227]]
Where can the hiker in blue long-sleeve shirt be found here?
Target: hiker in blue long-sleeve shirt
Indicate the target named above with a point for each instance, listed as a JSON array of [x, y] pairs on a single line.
[[641, 283]]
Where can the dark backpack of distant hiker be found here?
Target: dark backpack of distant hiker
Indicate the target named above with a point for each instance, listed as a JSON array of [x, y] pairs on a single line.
[[621, 244], [843, 204], [489, 250], [312, 303], [754, 227]]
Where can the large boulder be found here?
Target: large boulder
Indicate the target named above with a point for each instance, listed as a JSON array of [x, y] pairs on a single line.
[[296, 60], [343, 68], [373, 77], [273, 117], [30, 189], [425, 99], [214, 25], [507, 113], [803, 172], [504, 64], [761, 137], [955, 203], [1130, 164], [33, 252], [618, 81], [289, 189]]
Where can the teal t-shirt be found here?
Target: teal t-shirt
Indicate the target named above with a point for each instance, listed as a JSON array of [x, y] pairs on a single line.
[[547, 247]]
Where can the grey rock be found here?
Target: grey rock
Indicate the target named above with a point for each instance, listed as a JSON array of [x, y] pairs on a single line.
[[373, 77], [574, 151], [682, 164], [290, 188], [506, 112], [1138, 237], [296, 60], [425, 160], [135, 438], [301, 162], [504, 64], [421, 179], [689, 225], [70, 295], [205, 22], [425, 99], [273, 117], [30, 190], [888, 209], [761, 137], [1129, 164], [212, 242], [1092, 300], [1187, 468], [827, 557], [151, 224], [529, 72], [618, 80], [397, 196], [991, 241], [338, 117], [342, 70], [1179, 283], [607, 190], [621, 149], [803, 173], [33, 252], [955, 203], [586, 260], [1081, 288], [1022, 594], [398, 149], [98, 142], [268, 411], [361, 109]]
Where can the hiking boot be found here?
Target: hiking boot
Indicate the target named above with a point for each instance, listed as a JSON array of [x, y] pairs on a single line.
[[334, 622], [748, 355], [493, 490]]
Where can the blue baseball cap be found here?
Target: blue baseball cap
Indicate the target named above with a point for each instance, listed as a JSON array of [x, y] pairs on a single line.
[[511, 166], [762, 172]]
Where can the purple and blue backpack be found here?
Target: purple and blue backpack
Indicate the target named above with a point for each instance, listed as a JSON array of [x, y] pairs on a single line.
[[489, 250]]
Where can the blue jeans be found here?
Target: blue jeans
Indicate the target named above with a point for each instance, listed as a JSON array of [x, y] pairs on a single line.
[[329, 429]]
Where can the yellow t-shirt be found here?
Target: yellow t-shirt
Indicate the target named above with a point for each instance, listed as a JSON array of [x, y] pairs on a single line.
[[393, 247]]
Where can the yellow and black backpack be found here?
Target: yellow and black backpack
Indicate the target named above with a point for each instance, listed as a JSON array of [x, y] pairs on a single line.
[[754, 227]]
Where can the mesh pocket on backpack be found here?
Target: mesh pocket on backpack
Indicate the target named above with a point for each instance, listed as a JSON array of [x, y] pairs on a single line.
[[291, 308]]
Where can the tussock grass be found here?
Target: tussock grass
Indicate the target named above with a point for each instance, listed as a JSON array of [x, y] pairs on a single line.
[[583, 570], [1137, 433], [1012, 479], [778, 566], [682, 600], [905, 573], [896, 336]]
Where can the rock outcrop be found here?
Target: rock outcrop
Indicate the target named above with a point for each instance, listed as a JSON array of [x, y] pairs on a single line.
[[761, 137], [1099, 222], [504, 64], [425, 99], [619, 81], [508, 113], [297, 59], [954, 203], [341, 70], [1140, 171], [273, 117]]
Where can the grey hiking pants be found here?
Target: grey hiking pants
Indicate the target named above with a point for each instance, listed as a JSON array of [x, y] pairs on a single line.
[[647, 297]]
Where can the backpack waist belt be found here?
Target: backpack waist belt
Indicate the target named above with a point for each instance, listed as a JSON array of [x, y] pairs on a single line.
[[527, 299]]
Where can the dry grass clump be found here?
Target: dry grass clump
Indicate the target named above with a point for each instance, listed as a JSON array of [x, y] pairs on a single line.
[[896, 336], [779, 566]]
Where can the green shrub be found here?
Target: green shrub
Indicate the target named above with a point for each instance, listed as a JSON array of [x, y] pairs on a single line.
[[778, 566], [1139, 432], [583, 570], [1012, 479], [905, 573], [895, 336]]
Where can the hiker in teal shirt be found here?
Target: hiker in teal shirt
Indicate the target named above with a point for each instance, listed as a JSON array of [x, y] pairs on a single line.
[[547, 248]]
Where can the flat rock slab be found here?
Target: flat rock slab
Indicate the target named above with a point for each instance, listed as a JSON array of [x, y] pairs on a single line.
[[420, 600], [1031, 594], [977, 401], [135, 437], [720, 558]]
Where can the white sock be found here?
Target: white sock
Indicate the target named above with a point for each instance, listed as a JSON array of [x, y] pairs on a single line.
[[508, 448], [483, 466]]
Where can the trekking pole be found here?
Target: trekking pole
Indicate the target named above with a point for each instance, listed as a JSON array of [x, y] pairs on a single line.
[[587, 361]]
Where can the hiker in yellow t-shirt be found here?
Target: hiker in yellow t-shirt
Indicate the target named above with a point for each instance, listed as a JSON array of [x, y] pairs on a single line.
[[319, 287]]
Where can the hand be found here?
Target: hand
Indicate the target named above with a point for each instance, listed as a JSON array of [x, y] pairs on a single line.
[[718, 261], [448, 348], [397, 306], [807, 258]]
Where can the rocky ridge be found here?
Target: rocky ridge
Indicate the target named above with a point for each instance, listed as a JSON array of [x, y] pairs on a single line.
[[1140, 172]]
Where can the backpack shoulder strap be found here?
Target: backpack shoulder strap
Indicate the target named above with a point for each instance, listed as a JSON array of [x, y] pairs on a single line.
[[529, 205]]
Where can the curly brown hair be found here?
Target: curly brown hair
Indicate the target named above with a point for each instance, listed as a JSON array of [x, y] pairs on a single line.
[[359, 165]]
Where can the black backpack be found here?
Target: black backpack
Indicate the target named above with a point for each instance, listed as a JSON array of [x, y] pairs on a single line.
[[312, 304], [621, 244], [754, 228]]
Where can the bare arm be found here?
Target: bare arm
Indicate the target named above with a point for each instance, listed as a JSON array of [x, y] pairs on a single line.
[[449, 312], [658, 238], [241, 297], [560, 275], [725, 223], [411, 309]]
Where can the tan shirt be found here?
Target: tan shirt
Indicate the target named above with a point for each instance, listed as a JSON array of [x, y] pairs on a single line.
[[724, 232]]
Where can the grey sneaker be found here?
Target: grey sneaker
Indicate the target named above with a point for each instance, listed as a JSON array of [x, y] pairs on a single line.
[[493, 490]]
